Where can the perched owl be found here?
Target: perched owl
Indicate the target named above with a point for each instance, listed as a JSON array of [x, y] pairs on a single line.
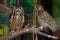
[[44, 18], [17, 18]]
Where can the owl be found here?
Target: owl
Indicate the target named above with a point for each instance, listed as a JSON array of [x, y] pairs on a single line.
[[44, 18], [17, 18]]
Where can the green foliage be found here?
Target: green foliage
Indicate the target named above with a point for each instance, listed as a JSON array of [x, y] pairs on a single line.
[[56, 12], [1, 18], [28, 5], [12, 2], [5, 29]]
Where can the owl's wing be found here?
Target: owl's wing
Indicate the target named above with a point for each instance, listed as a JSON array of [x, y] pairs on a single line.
[[46, 20]]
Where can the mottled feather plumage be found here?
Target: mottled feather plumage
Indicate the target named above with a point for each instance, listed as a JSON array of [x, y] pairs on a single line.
[[44, 18], [17, 18]]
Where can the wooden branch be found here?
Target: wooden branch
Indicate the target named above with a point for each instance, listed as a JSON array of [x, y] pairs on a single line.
[[26, 30], [14, 34]]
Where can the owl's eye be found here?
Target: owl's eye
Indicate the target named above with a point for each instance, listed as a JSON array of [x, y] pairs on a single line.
[[20, 8]]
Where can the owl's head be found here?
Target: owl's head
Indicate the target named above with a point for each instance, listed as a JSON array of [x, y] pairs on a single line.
[[39, 8], [19, 10]]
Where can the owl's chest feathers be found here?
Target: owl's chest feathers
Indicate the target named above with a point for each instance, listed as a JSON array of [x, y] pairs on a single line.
[[44, 19], [15, 18]]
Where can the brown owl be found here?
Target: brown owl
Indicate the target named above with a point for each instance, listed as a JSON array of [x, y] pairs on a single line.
[[44, 18], [17, 18]]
